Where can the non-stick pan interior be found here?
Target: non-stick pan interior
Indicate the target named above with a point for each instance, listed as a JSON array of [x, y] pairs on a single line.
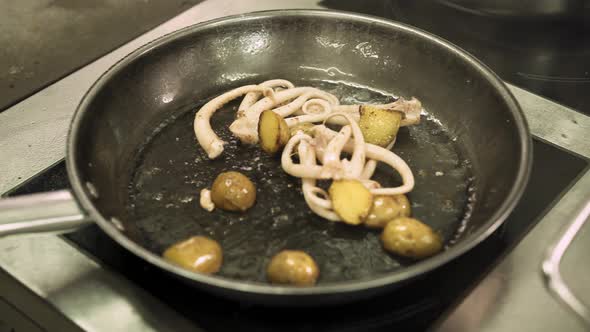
[[134, 147], [172, 169]]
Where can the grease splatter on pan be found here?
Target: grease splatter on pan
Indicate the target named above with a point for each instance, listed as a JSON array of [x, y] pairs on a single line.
[[172, 169]]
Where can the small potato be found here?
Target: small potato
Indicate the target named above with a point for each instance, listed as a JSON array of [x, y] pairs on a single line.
[[387, 208], [306, 127], [350, 200], [379, 126], [198, 254], [292, 267], [411, 238], [272, 131], [233, 191]]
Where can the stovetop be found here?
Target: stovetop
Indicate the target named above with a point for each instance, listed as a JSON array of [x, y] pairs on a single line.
[[415, 307], [106, 286]]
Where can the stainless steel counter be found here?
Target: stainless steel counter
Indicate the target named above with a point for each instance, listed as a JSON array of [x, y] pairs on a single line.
[[32, 138]]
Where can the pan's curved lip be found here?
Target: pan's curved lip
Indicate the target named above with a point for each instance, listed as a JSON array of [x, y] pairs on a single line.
[[411, 272]]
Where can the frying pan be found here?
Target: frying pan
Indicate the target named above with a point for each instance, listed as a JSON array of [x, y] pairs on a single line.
[[136, 169]]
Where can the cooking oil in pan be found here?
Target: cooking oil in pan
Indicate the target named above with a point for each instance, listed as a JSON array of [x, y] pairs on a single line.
[[172, 169]]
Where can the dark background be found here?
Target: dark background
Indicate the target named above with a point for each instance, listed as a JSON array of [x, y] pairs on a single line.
[[543, 49]]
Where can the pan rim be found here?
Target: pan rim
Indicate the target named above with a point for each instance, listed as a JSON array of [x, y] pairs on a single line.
[[350, 286]]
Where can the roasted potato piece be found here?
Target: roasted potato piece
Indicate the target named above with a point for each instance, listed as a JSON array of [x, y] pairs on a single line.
[[233, 191], [272, 131], [350, 200], [409, 237], [306, 127], [387, 208], [379, 126], [198, 254], [292, 267]]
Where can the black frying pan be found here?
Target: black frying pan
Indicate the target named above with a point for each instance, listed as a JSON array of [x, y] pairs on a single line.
[[136, 168]]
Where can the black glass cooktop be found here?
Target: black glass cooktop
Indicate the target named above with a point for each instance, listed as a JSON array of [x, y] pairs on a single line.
[[546, 54], [415, 307]]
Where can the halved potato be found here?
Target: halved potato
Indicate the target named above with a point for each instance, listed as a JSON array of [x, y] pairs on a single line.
[[273, 131], [379, 126], [350, 200]]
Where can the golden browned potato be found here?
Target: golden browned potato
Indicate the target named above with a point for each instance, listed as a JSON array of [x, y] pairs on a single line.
[[198, 254], [379, 126], [233, 191], [292, 267], [350, 200], [306, 127], [411, 238], [387, 208], [272, 131]]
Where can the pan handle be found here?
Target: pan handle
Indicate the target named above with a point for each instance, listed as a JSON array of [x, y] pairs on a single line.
[[51, 212]]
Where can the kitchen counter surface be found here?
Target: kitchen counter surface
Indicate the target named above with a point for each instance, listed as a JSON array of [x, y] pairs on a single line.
[[44, 40]]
